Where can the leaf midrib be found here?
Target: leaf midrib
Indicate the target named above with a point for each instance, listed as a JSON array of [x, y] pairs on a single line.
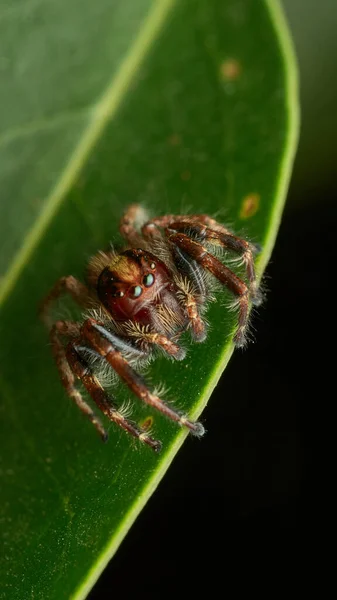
[[105, 109]]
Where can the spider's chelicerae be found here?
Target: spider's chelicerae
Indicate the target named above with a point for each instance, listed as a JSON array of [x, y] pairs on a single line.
[[142, 299]]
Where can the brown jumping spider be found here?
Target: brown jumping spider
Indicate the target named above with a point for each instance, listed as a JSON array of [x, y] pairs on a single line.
[[142, 299]]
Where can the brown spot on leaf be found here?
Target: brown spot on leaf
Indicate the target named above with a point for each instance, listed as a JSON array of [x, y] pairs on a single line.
[[230, 70], [147, 423], [174, 139], [249, 206], [185, 175]]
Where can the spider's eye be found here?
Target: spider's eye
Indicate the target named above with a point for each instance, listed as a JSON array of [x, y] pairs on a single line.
[[136, 291], [115, 292], [148, 280], [152, 265]]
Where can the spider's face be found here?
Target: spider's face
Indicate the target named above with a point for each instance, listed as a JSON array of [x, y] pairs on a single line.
[[131, 282]]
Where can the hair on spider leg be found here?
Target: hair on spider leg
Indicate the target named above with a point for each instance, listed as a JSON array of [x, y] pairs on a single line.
[[147, 425], [260, 293], [162, 390], [106, 377], [258, 298], [192, 279], [144, 437], [199, 430], [256, 247], [244, 336], [158, 389], [125, 408], [119, 344]]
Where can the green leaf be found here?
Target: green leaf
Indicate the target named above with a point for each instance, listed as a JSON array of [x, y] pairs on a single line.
[[177, 104]]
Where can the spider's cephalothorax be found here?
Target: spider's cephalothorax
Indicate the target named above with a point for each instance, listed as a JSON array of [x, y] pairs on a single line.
[[142, 299]]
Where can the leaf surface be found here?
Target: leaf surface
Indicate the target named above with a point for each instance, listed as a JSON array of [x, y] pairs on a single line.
[[176, 104]]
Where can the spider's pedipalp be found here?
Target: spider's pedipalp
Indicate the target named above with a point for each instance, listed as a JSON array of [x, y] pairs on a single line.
[[132, 379], [149, 339]]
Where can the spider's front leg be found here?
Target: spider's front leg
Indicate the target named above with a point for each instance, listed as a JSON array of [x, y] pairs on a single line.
[[201, 255], [66, 285], [103, 401], [71, 363], [68, 366], [92, 332]]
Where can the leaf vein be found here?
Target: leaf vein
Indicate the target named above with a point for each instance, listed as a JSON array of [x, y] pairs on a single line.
[[34, 127]]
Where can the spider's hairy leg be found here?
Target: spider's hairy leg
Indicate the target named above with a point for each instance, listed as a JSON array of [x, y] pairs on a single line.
[[191, 307], [131, 221], [152, 226], [92, 332], [215, 225], [220, 236], [199, 253], [66, 369], [65, 285], [187, 298], [191, 290], [104, 403]]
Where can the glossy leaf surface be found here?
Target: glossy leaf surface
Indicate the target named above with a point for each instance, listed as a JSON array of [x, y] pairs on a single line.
[[179, 105]]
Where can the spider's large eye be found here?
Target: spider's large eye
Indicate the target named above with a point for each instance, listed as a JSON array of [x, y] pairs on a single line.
[[136, 291], [148, 280]]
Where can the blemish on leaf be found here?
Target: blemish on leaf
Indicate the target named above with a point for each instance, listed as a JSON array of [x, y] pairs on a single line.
[[249, 206], [174, 139], [185, 175], [68, 507], [230, 69], [147, 423]]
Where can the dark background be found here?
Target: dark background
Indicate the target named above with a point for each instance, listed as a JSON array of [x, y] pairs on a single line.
[[245, 502]]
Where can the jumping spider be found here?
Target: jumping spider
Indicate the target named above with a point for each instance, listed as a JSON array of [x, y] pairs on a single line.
[[141, 299]]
